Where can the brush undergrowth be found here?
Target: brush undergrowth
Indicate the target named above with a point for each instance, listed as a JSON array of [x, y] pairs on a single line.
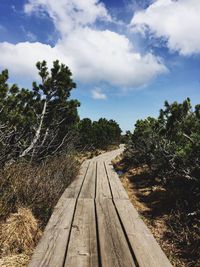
[[28, 194], [172, 215], [37, 187]]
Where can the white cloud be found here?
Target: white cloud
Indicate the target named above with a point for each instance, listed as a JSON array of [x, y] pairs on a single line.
[[108, 56], [93, 55], [69, 14], [21, 58], [178, 22], [98, 94]]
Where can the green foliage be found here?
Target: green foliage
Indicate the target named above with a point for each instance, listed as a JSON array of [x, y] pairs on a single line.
[[44, 121], [85, 132], [125, 138], [170, 144], [37, 122], [170, 147], [99, 134]]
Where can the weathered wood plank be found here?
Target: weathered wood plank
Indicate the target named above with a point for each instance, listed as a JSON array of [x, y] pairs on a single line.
[[82, 249], [147, 251], [75, 230], [51, 249], [108, 156], [88, 189], [117, 188], [113, 245], [103, 189], [73, 189]]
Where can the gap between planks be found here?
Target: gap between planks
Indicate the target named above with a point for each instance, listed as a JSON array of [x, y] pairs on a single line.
[[97, 231]]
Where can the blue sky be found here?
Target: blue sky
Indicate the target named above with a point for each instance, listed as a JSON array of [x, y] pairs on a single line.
[[127, 56]]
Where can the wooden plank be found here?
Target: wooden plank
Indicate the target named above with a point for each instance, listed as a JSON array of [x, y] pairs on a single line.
[[147, 251], [51, 249], [117, 188], [88, 189], [108, 156], [82, 250], [73, 189], [103, 189], [113, 245]]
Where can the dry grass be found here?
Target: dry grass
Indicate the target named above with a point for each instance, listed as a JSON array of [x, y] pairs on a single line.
[[27, 188], [176, 232], [20, 260], [37, 187], [20, 233], [185, 233]]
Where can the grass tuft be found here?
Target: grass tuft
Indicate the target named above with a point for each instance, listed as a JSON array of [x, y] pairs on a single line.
[[20, 260], [20, 233]]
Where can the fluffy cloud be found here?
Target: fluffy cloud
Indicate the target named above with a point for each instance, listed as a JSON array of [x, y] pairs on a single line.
[[98, 94], [69, 14], [21, 58], [178, 22], [108, 56], [93, 55]]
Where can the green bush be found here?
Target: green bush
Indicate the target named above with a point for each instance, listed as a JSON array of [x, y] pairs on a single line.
[[99, 134], [169, 145]]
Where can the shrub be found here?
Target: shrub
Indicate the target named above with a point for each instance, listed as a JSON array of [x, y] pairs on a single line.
[[37, 187], [169, 145]]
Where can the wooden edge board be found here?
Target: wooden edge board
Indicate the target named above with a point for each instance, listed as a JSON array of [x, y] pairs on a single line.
[[114, 249], [51, 249], [146, 249], [82, 248], [117, 188], [73, 189]]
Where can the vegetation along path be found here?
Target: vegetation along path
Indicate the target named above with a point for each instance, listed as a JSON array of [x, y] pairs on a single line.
[[94, 224]]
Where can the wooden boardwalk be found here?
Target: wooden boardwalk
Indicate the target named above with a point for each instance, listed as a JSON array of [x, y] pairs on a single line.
[[94, 225]]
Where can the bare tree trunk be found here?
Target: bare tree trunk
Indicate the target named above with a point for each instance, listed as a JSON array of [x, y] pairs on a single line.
[[189, 138], [37, 134]]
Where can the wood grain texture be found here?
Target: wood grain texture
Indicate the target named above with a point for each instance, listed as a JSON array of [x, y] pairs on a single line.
[[117, 188], [147, 251], [51, 249], [73, 189], [88, 189], [82, 250], [113, 245], [103, 189], [105, 231]]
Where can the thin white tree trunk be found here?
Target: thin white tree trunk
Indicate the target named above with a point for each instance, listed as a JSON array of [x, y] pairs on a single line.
[[37, 134]]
